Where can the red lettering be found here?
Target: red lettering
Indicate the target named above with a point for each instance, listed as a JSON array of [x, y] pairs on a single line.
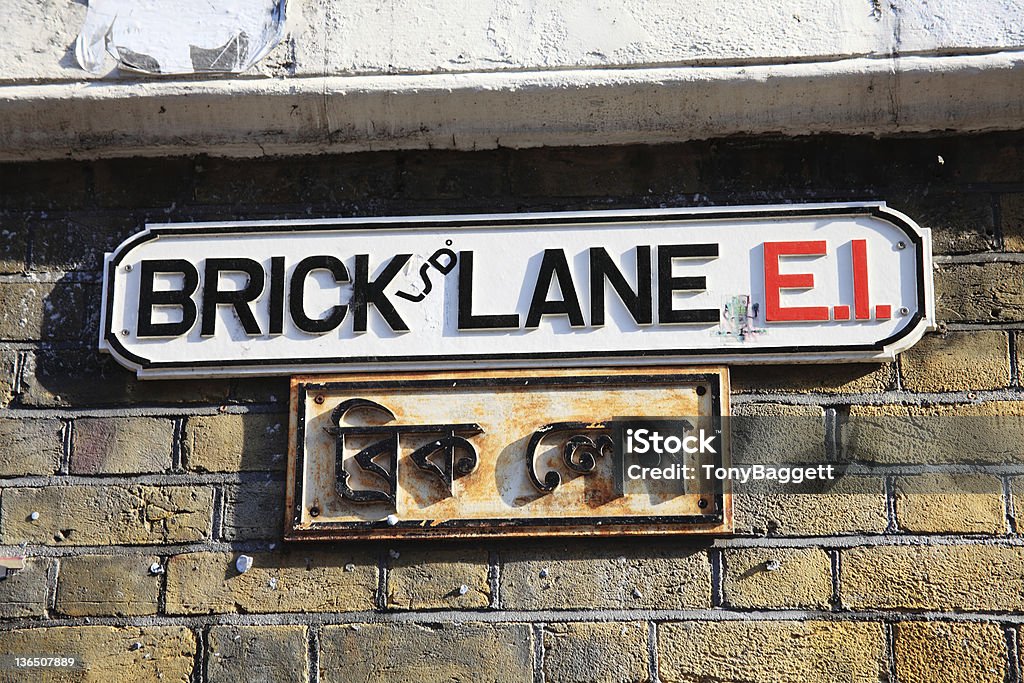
[[861, 305], [775, 282]]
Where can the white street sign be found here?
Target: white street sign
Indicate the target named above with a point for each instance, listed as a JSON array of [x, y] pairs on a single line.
[[795, 283]]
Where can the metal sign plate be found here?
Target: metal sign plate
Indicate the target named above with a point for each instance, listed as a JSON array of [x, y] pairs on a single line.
[[825, 282], [520, 452]]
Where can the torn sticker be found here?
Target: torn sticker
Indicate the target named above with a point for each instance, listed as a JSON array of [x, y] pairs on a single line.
[[179, 36]]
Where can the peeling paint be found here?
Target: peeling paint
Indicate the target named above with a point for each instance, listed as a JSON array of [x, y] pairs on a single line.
[[180, 37]]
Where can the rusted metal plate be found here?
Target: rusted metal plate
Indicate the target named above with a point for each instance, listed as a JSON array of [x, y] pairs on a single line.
[[514, 452]]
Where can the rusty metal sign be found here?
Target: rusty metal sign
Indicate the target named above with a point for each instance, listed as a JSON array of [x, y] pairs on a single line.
[[804, 283], [517, 452]]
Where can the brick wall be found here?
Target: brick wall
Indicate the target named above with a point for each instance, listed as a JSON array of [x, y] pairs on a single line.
[[147, 492]]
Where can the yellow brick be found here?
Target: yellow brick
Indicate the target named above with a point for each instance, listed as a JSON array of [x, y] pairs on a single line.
[[854, 504], [778, 578], [596, 653], [1012, 211], [434, 579], [23, 592], [30, 446], [1017, 500], [941, 652], [853, 378], [106, 515], [427, 653], [957, 361], [770, 433], [936, 434], [1020, 358], [657, 575], [951, 503], [98, 585], [121, 445], [207, 583], [165, 653], [772, 652], [263, 654], [233, 443], [940, 577], [979, 292], [8, 369]]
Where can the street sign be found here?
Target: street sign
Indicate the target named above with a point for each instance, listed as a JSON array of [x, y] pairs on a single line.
[[516, 452], [800, 283]]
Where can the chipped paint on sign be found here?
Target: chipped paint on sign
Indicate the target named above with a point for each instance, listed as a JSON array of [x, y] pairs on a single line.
[[507, 453]]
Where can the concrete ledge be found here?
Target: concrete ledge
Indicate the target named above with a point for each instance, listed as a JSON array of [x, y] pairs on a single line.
[[250, 117]]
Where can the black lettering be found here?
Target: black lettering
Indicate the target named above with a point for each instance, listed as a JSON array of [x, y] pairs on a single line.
[[148, 298], [297, 294], [554, 264], [366, 292], [667, 284], [638, 303], [469, 321], [238, 299], [276, 295]]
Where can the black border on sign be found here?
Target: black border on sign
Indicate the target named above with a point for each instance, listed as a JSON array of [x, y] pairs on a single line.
[[480, 527], [310, 364]]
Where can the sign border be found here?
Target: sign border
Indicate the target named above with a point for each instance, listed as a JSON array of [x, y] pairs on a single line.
[[886, 349], [718, 520]]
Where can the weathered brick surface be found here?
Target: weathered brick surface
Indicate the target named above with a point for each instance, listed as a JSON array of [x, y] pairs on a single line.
[[448, 176], [980, 292], [960, 223], [1019, 341], [13, 242], [44, 185], [853, 504], [943, 652], [77, 241], [595, 653], [108, 585], [427, 653], [983, 433], [73, 377], [772, 651], [233, 443], [267, 654], [208, 582], [253, 511], [770, 578], [64, 215], [121, 445], [106, 515], [23, 592], [605, 576], [957, 361], [434, 579], [856, 378], [162, 182], [8, 372], [34, 310], [1017, 500], [319, 180], [1011, 211], [151, 653], [30, 446], [951, 503], [776, 433], [942, 577]]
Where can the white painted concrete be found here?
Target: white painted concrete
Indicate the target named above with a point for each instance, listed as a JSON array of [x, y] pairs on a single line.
[[482, 111], [365, 74]]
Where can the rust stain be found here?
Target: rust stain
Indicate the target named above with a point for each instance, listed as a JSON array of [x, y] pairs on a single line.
[[496, 495]]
